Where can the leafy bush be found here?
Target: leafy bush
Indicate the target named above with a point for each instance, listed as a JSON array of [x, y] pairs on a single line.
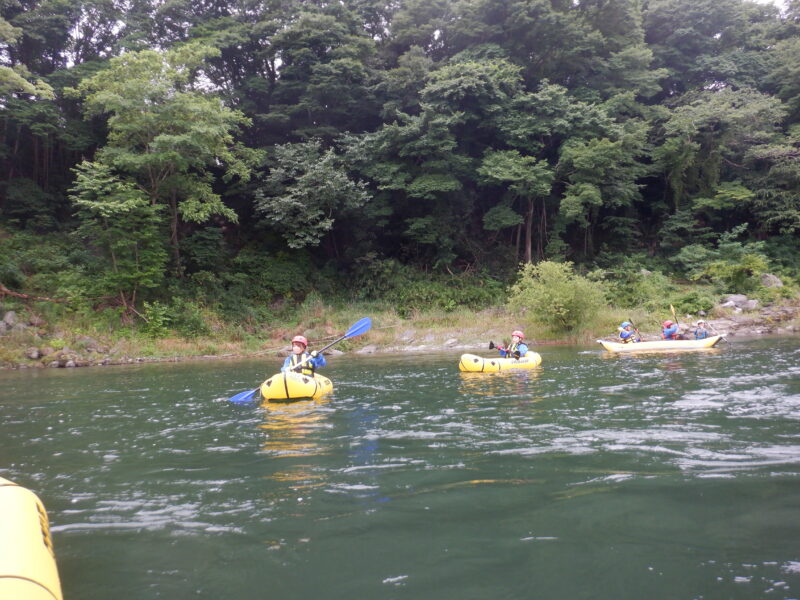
[[555, 295], [157, 319], [693, 302], [628, 288], [409, 290]]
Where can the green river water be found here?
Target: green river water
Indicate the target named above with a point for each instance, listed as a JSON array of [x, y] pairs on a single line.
[[673, 476]]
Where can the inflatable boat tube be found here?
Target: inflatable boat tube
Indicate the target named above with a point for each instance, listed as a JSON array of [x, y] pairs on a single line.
[[27, 562], [470, 363], [288, 385]]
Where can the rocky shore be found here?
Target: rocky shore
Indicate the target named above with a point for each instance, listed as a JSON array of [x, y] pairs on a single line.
[[27, 343]]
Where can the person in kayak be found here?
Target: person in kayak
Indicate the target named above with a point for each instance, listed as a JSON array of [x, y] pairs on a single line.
[[701, 332], [669, 331], [299, 354], [516, 349], [627, 334]]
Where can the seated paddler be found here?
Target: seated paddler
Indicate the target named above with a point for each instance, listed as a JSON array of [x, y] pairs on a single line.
[[516, 349], [627, 334], [300, 360]]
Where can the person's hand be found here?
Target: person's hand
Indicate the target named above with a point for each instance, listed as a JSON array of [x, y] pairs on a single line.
[[517, 354], [491, 345], [314, 354]]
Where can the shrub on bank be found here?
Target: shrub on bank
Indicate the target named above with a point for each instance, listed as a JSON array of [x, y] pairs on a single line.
[[553, 295]]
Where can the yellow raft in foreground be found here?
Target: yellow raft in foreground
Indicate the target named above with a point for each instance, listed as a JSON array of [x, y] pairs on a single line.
[[661, 345], [27, 563], [471, 363], [289, 385]]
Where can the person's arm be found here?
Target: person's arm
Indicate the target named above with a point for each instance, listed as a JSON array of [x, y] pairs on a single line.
[[318, 360], [523, 349], [286, 363]]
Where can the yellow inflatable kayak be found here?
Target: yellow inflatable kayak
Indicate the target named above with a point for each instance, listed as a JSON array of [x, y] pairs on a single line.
[[477, 364], [661, 345], [288, 385], [27, 562]]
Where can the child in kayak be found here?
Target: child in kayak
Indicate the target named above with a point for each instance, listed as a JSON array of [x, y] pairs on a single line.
[[516, 349], [313, 359], [627, 334], [701, 332], [669, 331]]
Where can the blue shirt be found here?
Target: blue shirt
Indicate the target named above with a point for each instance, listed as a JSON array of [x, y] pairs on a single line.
[[668, 332], [700, 333]]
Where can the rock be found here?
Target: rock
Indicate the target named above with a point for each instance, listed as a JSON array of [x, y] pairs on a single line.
[[10, 318], [769, 280], [53, 364], [408, 336], [3, 327], [645, 272], [69, 364], [702, 313], [33, 353], [728, 305], [750, 305], [451, 341], [370, 349], [36, 321], [737, 299]]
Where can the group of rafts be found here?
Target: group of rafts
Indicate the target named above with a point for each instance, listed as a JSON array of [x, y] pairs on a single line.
[[27, 564], [291, 385]]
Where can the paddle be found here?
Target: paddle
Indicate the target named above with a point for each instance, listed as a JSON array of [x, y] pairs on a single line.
[[358, 328], [674, 316]]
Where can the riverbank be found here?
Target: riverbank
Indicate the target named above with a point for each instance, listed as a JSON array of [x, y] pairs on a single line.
[[28, 341]]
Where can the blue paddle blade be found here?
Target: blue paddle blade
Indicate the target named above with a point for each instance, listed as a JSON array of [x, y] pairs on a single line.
[[362, 326], [244, 397]]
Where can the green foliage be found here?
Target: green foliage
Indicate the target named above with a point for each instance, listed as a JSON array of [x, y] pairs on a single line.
[[631, 286], [306, 190], [157, 319], [409, 290], [693, 302], [552, 294]]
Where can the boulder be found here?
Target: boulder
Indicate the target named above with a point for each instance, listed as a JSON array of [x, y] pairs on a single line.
[[3, 327], [769, 280], [750, 305], [36, 321], [737, 299], [10, 318], [33, 353], [370, 349]]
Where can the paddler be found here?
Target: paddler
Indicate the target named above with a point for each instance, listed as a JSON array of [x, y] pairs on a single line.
[[627, 334], [516, 349], [313, 360]]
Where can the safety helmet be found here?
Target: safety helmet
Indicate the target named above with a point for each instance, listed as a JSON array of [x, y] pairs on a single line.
[[667, 323], [625, 324], [517, 333], [299, 339], [700, 321]]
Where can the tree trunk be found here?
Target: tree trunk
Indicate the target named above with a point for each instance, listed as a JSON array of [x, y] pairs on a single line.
[[529, 232], [176, 251]]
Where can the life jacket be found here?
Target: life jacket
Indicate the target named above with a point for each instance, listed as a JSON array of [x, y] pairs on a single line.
[[700, 334], [513, 347], [296, 359], [627, 336]]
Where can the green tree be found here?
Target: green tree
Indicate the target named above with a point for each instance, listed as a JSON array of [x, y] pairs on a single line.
[[122, 227], [167, 136], [306, 190], [526, 178]]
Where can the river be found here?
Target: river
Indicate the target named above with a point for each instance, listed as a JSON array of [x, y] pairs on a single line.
[[673, 476]]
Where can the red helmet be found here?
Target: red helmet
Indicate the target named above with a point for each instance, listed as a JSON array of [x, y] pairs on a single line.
[[667, 323], [517, 333], [299, 339]]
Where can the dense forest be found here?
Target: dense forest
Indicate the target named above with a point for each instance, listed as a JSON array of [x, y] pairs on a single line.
[[238, 154]]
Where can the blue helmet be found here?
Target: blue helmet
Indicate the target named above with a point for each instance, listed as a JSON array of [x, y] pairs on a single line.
[[625, 324]]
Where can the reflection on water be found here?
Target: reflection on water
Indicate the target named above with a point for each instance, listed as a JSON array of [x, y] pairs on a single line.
[[293, 430], [517, 382], [291, 427]]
